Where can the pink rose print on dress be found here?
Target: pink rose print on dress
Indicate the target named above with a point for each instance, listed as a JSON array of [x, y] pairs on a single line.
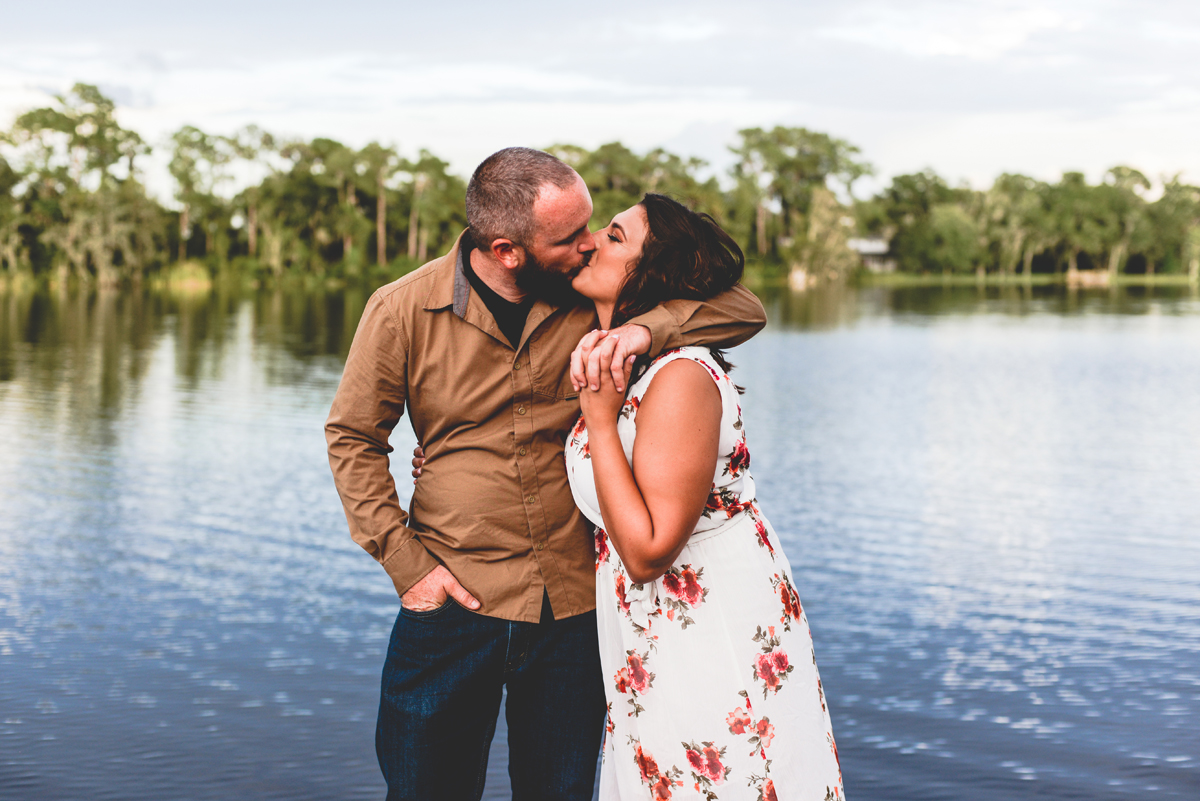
[[763, 539], [771, 666], [738, 720], [646, 764], [660, 784], [713, 504], [630, 408], [639, 678], [682, 592], [764, 671], [577, 434], [661, 789], [765, 787], [833, 747], [764, 732], [761, 733], [725, 501], [622, 603], [601, 547], [634, 679], [683, 583], [739, 460], [708, 770], [792, 610], [716, 376]]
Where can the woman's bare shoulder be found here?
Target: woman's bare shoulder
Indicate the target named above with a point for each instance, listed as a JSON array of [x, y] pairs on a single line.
[[681, 387]]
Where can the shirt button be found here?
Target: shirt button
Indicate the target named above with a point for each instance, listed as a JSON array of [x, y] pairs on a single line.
[[531, 499], [517, 366], [520, 410], [521, 452], [541, 545]]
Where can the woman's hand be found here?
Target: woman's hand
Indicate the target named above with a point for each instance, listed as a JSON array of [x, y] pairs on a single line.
[[601, 406], [605, 352]]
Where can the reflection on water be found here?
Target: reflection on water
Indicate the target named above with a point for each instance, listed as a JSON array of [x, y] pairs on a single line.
[[987, 495]]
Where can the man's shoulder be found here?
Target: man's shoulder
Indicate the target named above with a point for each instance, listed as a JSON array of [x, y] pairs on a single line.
[[409, 293], [413, 287]]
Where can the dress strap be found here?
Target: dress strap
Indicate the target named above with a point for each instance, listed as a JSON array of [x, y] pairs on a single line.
[[692, 353]]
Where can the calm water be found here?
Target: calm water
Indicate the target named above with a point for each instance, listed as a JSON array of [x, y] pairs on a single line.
[[991, 502]]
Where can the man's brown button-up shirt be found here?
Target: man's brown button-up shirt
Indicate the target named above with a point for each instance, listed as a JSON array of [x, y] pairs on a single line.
[[493, 504]]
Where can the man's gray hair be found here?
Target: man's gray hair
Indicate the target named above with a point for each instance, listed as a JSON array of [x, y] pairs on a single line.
[[502, 192]]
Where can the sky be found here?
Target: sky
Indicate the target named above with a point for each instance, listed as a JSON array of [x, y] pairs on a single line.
[[971, 89]]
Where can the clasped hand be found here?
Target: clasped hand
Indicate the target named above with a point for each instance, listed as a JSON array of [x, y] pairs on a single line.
[[610, 352], [600, 369]]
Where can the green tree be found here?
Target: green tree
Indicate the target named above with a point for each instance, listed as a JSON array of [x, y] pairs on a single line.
[[379, 165], [906, 207], [13, 252], [1078, 218], [825, 252], [253, 147], [954, 239], [1013, 215], [198, 165], [1123, 213], [436, 205], [83, 199], [778, 170], [1173, 222], [617, 178]]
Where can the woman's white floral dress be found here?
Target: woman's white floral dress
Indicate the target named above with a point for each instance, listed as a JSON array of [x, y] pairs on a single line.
[[711, 678]]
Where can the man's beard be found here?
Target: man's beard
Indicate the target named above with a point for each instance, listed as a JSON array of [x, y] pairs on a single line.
[[549, 285]]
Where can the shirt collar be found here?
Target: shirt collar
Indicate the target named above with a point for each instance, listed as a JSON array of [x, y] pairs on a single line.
[[450, 287]]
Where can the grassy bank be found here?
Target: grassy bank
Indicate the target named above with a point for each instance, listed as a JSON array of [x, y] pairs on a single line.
[[994, 279]]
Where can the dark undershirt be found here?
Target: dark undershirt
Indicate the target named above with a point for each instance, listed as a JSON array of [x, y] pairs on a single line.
[[509, 316]]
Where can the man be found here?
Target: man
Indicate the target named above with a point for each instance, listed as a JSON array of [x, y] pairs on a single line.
[[495, 566]]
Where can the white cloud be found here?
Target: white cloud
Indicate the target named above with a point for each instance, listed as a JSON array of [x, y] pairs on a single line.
[[967, 88], [977, 31]]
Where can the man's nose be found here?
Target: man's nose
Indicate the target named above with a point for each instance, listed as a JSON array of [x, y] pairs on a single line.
[[588, 243]]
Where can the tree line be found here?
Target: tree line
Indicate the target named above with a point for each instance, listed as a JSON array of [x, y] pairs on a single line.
[[72, 206]]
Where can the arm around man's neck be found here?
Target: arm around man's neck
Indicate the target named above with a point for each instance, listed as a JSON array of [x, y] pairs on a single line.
[[729, 319]]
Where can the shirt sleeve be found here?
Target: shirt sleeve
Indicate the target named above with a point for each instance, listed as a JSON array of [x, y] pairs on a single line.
[[729, 319], [369, 402]]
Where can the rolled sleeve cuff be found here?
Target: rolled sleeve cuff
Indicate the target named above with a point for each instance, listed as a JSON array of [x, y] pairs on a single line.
[[409, 564]]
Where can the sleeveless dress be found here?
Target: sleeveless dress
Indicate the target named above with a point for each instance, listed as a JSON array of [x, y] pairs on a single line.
[[710, 675]]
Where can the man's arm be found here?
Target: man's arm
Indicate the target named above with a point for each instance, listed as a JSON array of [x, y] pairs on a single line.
[[726, 320], [369, 402]]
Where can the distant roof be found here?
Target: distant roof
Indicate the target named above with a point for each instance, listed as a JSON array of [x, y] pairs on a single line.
[[869, 247]]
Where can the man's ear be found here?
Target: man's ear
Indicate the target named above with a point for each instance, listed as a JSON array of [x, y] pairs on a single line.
[[508, 253]]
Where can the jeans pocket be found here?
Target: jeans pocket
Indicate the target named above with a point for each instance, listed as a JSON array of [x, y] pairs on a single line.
[[425, 614]]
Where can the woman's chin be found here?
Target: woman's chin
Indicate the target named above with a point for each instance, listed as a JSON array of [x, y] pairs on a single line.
[[581, 287]]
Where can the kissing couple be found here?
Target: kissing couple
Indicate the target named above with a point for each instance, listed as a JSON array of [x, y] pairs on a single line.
[[584, 531]]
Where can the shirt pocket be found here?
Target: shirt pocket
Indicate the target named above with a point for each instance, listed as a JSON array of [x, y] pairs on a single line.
[[551, 377]]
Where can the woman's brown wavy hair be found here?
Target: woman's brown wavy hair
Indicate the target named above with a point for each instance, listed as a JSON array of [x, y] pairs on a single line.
[[686, 256]]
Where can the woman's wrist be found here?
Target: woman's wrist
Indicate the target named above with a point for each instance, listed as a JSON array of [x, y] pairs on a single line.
[[603, 434]]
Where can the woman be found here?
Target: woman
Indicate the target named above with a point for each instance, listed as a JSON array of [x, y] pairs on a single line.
[[711, 682]]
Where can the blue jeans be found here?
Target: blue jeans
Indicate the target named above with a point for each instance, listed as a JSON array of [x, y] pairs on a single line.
[[442, 683]]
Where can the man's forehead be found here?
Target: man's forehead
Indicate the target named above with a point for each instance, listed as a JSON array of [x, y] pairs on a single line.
[[561, 212]]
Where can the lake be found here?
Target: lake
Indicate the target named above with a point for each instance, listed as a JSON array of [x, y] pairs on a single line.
[[990, 499]]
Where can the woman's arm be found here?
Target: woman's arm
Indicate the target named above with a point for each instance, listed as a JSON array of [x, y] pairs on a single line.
[[651, 510]]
